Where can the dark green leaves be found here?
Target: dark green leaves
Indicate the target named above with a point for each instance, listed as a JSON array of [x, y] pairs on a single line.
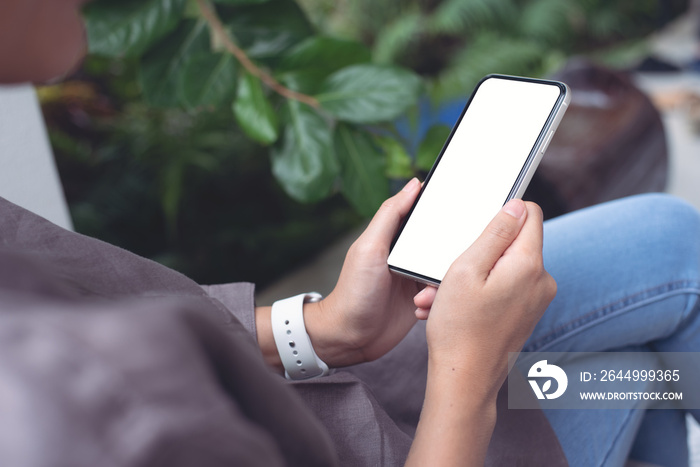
[[208, 79], [253, 111], [314, 152], [181, 70], [303, 160], [129, 27], [239, 2], [369, 93], [430, 147], [363, 181], [398, 162], [325, 55], [306, 66], [161, 68], [265, 31]]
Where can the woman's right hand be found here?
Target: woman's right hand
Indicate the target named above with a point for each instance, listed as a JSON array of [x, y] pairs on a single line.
[[491, 297], [487, 305]]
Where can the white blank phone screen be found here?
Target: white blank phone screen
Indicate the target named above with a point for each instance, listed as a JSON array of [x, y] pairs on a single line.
[[475, 174]]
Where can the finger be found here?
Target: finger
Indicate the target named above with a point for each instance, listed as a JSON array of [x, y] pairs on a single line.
[[386, 221], [496, 238], [529, 241], [422, 313], [531, 233], [425, 298]]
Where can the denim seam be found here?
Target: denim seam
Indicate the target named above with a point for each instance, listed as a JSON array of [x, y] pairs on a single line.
[[626, 422], [615, 308]]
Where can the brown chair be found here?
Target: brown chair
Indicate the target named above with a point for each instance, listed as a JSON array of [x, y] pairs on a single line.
[[610, 144]]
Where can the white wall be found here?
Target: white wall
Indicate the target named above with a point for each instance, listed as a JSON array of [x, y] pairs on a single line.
[[28, 175]]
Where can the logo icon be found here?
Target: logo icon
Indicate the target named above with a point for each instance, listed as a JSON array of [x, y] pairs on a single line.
[[544, 370]]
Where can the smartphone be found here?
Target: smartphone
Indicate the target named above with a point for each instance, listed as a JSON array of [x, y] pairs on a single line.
[[487, 160]]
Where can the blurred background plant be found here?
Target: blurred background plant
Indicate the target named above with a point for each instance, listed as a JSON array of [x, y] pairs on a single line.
[[454, 43], [232, 139]]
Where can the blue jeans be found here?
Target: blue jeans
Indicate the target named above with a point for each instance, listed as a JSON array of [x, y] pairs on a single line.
[[628, 276]]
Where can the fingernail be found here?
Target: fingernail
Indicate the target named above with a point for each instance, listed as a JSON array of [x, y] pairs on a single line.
[[515, 207], [411, 185]]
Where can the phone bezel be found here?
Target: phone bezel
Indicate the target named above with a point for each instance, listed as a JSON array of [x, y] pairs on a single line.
[[525, 174]]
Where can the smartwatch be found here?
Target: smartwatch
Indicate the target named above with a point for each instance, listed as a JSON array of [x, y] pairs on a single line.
[[293, 343]]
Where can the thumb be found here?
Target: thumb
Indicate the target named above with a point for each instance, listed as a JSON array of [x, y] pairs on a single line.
[[497, 237], [386, 221]]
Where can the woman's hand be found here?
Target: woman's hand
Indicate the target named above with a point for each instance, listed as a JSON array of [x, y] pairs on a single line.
[[492, 296], [370, 309], [487, 305]]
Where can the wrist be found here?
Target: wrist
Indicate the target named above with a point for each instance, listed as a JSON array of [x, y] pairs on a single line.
[[329, 335], [292, 340], [478, 377], [266, 340], [459, 404], [456, 422]]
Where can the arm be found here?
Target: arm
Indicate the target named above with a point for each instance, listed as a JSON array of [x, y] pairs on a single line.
[[487, 306], [456, 422], [328, 345], [370, 310]]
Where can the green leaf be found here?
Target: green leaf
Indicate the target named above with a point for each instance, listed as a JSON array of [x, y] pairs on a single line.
[[362, 169], [398, 162], [488, 53], [430, 147], [305, 67], [397, 36], [161, 68], [303, 161], [324, 55], [457, 16], [369, 93], [266, 31], [129, 27], [208, 79], [549, 20], [307, 81], [253, 111], [239, 2]]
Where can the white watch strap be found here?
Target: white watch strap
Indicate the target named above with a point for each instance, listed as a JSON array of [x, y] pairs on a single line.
[[293, 343]]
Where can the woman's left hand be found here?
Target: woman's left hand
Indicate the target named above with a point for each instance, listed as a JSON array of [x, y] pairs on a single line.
[[370, 309]]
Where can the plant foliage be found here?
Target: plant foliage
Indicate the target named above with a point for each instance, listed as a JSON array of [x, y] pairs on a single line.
[[306, 96], [174, 147], [454, 43]]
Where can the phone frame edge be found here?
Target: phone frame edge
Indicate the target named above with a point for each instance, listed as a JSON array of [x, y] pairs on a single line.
[[526, 173]]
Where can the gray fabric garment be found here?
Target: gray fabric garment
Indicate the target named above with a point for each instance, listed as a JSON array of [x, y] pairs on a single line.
[[110, 359], [115, 294]]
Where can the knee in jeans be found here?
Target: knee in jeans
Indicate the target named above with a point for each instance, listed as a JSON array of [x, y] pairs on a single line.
[[668, 219]]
